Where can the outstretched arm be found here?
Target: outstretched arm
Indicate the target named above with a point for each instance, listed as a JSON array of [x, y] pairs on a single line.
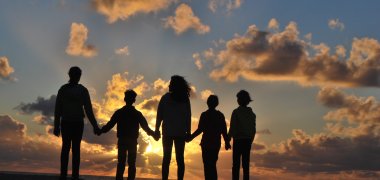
[[188, 118], [224, 134], [199, 129], [159, 116], [57, 114], [89, 112]]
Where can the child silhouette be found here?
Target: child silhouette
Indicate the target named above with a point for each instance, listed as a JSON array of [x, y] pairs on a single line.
[[212, 124], [128, 120]]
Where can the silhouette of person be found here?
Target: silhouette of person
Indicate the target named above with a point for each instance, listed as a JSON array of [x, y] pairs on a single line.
[[128, 120], [212, 124], [174, 112], [242, 130], [68, 120]]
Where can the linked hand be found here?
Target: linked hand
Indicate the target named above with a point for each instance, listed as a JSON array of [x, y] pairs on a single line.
[[56, 132], [227, 146], [188, 138], [97, 131], [157, 135]]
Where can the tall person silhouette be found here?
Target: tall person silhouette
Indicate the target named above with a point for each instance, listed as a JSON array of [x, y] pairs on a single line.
[[72, 98], [174, 112], [242, 130]]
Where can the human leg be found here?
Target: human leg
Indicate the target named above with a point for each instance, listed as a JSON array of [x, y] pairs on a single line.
[[167, 144], [246, 151], [236, 154], [77, 133], [132, 150], [179, 144]]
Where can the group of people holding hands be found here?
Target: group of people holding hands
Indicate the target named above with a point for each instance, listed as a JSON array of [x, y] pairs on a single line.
[[173, 113]]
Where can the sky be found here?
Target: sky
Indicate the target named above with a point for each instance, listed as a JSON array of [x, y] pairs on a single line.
[[312, 68]]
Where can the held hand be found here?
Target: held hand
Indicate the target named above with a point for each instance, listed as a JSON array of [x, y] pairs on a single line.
[[97, 131], [157, 135], [56, 132], [188, 138], [227, 146]]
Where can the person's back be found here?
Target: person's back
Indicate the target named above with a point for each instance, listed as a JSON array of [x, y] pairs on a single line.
[[128, 121], [245, 121], [213, 125], [242, 130], [72, 100]]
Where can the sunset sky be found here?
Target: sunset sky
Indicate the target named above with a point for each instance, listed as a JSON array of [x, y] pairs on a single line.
[[312, 68]]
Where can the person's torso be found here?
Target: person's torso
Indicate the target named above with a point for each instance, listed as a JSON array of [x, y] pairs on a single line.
[[245, 122], [72, 99], [212, 127], [174, 116], [128, 122]]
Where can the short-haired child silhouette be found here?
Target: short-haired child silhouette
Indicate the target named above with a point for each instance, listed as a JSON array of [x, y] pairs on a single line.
[[242, 130], [128, 120], [212, 124]]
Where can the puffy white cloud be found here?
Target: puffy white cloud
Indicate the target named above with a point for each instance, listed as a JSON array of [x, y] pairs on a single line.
[[5, 69], [336, 24], [77, 43], [124, 9], [283, 56], [228, 5], [122, 51], [205, 94], [197, 61], [184, 19], [274, 24]]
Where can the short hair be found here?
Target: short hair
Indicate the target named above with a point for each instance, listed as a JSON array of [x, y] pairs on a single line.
[[244, 97], [212, 101], [74, 73], [130, 95]]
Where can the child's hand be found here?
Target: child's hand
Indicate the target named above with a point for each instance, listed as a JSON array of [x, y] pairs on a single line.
[[227, 145], [188, 138], [157, 135]]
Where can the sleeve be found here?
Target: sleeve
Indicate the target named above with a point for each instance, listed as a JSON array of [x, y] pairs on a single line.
[[233, 127], [58, 109], [88, 109], [188, 117], [144, 124], [224, 127], [159, 116], [110, 124]]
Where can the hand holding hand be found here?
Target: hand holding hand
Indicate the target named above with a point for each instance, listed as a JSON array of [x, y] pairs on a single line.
[[157, 135], [97, 131], [227, 145], [56, 131], [189, 138]]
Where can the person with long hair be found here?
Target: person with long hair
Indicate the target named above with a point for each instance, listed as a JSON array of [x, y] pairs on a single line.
[[174, 112]]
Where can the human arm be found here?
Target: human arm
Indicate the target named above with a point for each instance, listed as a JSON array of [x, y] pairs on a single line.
[[233, 122], [199, 129], [159, 119], [188, 118], [89, 112], [57, 114], [144, 125], [226, 138], [110, 124]]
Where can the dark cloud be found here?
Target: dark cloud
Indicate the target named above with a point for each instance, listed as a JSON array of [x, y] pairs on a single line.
[[41, 105]]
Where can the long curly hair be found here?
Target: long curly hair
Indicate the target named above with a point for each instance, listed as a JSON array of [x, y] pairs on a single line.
[[179, 88]]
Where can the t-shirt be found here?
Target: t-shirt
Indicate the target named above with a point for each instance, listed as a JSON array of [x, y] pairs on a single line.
[[212, 123]]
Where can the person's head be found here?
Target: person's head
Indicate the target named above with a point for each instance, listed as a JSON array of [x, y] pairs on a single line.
[[243, 98], [212, 101], [75, 73], [130, 96], [179, 88]]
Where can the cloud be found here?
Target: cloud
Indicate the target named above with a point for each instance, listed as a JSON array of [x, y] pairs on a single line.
[[283, 56], [197, 61], [77, 43], [122, 51], [350, 107], [5, 69], [205, 94], [336, 24], [184, 20], [274, 24], [116, 10], [43, 106], [229, 5]]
